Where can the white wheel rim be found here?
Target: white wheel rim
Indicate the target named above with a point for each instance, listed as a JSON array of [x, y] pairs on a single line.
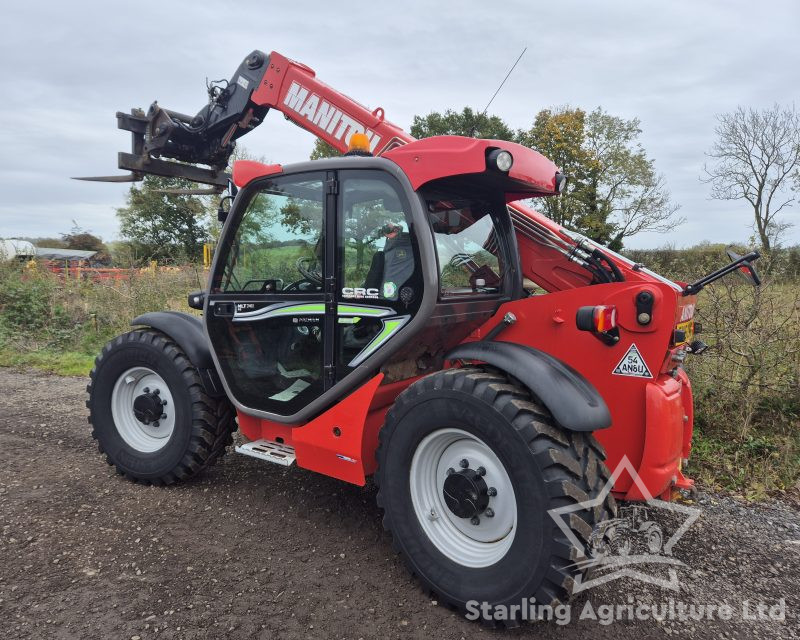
[[458, 538], [146, 438]]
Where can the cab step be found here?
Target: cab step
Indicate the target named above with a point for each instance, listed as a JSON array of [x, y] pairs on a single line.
[[268, 450]]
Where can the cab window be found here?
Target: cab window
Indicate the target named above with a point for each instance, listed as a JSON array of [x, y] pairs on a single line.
[[378, 252], [470, 256], [279, 244]]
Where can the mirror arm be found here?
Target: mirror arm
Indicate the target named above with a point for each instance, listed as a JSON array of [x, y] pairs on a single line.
[[696, 287]]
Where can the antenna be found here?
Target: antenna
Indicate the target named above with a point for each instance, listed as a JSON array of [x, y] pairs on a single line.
[[494, 95]]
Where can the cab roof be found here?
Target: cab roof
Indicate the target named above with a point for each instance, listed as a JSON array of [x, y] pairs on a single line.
[[429, 159], [456, 157]]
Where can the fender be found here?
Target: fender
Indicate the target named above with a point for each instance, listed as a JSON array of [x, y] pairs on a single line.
[[574, 402], [187, 332]]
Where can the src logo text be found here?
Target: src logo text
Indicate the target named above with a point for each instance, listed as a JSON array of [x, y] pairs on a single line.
[[325, 116]]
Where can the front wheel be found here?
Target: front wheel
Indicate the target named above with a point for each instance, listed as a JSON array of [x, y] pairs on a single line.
[[150, 413], [469, 468]]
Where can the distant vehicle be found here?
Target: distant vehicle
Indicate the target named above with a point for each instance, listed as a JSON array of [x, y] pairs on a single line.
[[13, 249]]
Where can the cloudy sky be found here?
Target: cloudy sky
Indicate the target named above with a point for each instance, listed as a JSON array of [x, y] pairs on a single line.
[[67, 67]]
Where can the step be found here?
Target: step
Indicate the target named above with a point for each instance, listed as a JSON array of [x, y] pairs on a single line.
[[268, 450]]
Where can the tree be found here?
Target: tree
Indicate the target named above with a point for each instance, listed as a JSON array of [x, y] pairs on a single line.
[[211, 222], [615, 191], [323, 150], [363, 228], [755, 156], [164, 226], [82, 239], [51, 243], [466, 123], [560, 135]]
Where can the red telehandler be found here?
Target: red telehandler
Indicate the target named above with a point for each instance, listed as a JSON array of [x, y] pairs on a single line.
[[399, 313]]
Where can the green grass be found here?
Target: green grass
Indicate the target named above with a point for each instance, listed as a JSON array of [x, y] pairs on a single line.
[[64, 363], [752, 467]]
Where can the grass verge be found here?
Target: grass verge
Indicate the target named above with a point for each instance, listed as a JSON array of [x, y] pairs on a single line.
[[64, 363]]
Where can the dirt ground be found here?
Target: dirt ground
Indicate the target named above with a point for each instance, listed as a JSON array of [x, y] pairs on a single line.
[[250, 549]]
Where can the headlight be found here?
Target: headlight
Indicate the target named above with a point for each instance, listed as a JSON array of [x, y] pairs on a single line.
[[501, 160]]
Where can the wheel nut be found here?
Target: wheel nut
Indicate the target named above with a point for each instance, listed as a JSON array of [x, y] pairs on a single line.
[[475, 520], [491, 491], [163, 416], [481, 471], [489, 513], [163, 403], [155, 423], [157, 391], [146, 389], [451, 471], [464, 463]]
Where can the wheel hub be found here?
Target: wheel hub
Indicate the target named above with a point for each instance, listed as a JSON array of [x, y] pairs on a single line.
[[463, 497], [148, 407], [143, 409], [465, 493]]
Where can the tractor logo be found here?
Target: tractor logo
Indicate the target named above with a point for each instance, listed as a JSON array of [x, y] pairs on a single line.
[[632, 533], [632, 365], [639, 543]]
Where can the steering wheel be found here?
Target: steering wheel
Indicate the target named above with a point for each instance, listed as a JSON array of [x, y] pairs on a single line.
[[303, 285], [309, 269]]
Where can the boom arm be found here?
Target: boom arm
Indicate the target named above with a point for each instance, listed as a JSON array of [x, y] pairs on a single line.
[[263, 82], [236, 107], [292, 88]]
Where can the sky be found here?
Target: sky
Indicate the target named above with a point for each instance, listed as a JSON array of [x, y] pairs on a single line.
[[68, 67]]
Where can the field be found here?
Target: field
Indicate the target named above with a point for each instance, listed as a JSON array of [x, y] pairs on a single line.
[[747, 386]]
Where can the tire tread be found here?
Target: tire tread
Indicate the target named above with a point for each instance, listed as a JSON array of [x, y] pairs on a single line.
[[572, 464], [213, 421]]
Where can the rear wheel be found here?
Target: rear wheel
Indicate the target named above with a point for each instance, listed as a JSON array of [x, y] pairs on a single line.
[[469, 467], [150, 413]]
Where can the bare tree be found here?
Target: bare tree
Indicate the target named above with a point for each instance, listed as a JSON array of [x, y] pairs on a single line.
[[754, 157]]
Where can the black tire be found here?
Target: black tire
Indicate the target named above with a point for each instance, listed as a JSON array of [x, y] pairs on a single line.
[[203, 424], [548, 467]]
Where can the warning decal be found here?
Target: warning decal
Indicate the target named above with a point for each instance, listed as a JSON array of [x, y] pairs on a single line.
[[633, 365]]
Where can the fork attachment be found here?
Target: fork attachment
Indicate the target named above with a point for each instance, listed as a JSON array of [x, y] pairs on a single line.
[[207, 138]]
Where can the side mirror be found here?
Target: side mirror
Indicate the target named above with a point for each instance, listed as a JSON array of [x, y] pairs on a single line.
[[224, 208], [742, 264], [746, 268]]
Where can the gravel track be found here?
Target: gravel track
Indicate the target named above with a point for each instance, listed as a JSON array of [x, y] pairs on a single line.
[[250, 549]]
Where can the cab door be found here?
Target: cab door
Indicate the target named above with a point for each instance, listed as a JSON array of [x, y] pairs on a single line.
[[379, 276], [270, 289]]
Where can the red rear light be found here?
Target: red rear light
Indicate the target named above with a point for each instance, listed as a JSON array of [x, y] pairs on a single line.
[[601, 321], [604, 318]]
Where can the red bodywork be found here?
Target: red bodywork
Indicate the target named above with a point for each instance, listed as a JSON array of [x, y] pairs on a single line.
[[651, 417]]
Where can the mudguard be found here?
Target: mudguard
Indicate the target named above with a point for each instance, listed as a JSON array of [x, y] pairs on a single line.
[[574, 403], [187, 332]]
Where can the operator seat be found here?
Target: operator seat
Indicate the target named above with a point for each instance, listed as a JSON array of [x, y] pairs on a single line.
[[391, 267], [389, 270]]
